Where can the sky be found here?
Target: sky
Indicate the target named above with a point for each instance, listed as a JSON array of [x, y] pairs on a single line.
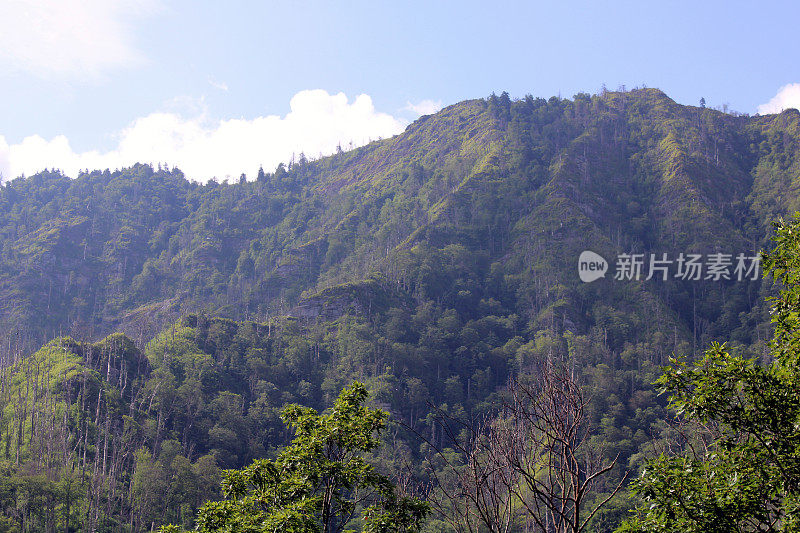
[[221, 88]]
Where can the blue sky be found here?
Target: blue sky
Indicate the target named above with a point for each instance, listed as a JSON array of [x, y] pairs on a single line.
[[218, 88]]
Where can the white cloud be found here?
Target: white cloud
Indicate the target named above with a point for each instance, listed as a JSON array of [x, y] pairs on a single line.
[[317, 123], [69, 37], [788, 96], [425, 107], [221, 85]]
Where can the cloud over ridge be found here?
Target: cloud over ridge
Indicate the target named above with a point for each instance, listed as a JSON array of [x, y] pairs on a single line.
[[788, 97], [316, 124], [425, 107]]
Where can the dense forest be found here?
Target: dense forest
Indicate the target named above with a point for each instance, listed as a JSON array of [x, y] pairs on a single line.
[[155, 327]]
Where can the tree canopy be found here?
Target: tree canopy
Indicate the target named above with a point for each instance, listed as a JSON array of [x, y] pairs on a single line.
[[739, 468], [320, 482]]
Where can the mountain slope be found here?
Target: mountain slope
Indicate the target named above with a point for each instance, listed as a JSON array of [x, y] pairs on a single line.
[[641, 172], [433, 266]]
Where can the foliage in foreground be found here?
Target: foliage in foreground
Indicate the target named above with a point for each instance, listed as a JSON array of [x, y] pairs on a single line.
[[320, 482], [742, 470]]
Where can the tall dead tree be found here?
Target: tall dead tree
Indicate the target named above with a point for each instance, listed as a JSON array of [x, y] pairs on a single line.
[[470, 482], [531, 465], [551, 451]]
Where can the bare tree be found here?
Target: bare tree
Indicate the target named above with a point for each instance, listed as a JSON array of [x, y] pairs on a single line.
[[470, 480], [557, 465], [532, 461]]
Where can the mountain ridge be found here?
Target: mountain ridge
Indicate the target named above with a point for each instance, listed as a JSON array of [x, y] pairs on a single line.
[[458, 154]]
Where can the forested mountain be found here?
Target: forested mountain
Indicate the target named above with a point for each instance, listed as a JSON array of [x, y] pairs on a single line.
[[432, 266]]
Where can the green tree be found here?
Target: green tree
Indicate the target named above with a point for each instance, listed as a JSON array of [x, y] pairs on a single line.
[[319, 482], [740, 470]]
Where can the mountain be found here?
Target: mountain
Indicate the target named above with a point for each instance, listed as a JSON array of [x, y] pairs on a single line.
[[432, 265], [520, 185]]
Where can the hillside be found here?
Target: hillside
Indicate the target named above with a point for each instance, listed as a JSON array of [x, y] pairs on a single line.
[[432, 266], [628, 172]]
